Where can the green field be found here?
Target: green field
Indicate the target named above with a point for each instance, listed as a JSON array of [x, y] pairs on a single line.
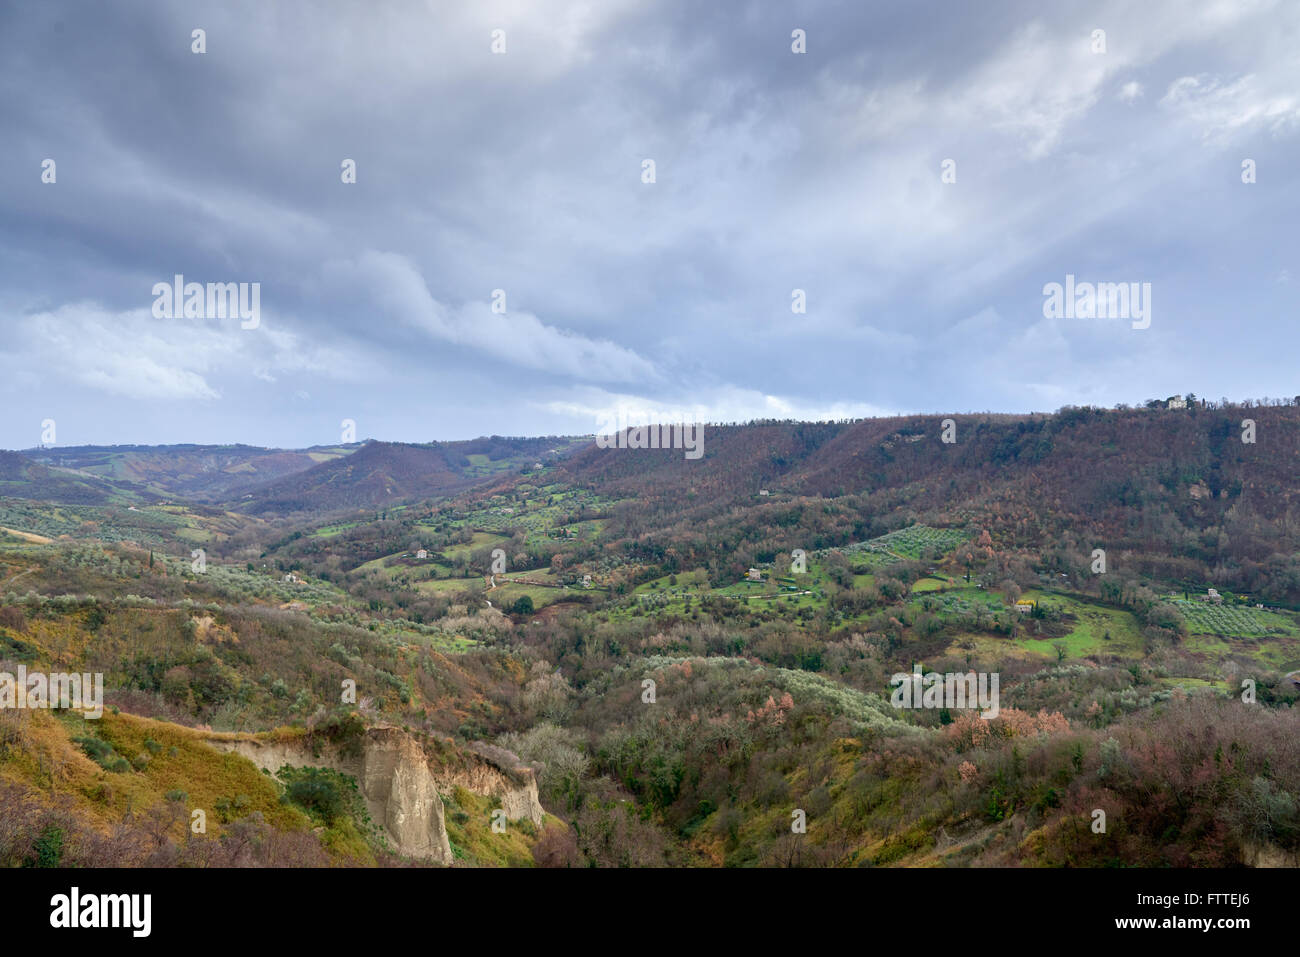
[[1232, 621], [930, 584], [506, 595], [450, 586], [1091, 623], [906, 544], [660, 597], [328, 531], [1088, 623], [479, 541]]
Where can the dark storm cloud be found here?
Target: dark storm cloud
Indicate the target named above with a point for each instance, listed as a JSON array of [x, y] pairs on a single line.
[[522, 172]]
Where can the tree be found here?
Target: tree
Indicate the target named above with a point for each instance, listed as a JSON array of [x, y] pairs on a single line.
[[523, 606], [557, 847]]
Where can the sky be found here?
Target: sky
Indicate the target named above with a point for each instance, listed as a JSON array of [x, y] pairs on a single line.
[[505, 263]]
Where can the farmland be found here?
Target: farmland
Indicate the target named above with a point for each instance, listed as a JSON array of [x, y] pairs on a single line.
[[918, 542], [1232, 621]]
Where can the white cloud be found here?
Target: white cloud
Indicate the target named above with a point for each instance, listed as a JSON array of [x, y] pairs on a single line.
[[1221, 107], [135, 355], [724, 404], [516, 337]]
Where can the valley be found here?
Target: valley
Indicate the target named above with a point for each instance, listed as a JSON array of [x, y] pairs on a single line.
[[678, 663]]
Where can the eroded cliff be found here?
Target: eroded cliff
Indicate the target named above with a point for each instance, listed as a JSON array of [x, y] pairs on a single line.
[[401, 780]]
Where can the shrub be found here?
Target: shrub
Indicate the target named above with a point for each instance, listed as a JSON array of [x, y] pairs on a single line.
[[345, 729], [47, 851], [102, 753], [316, 791]]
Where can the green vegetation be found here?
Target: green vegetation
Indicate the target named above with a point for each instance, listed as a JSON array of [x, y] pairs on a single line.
[[674, 709], [1232, 621]]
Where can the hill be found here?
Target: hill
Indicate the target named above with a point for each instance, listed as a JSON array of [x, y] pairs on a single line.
[[690, 667], [202, 473], [20, 477], [384, 473], [1177, 489]]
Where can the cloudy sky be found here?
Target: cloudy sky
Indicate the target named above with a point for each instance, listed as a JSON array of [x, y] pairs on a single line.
[[523, 171]]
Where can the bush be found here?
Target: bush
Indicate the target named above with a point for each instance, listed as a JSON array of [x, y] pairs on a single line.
[[345, 729], [102, 753], [557, 847], [47, 851], [316, 791], [12, 617]]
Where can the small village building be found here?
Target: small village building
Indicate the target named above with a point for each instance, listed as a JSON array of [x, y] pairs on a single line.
[[1024, 605], [754, 575], [422, 554]]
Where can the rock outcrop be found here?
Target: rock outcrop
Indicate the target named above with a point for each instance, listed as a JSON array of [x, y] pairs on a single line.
[[401, 783], [495, 772]]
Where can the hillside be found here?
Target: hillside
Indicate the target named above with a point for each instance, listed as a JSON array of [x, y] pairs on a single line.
[[681, 665], [384, 473], [203, 473], [20, 477], [1177, 490]]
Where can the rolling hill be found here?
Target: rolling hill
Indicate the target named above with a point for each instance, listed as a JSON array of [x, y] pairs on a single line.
[[21, 477], [383, 473], [201, 473]]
